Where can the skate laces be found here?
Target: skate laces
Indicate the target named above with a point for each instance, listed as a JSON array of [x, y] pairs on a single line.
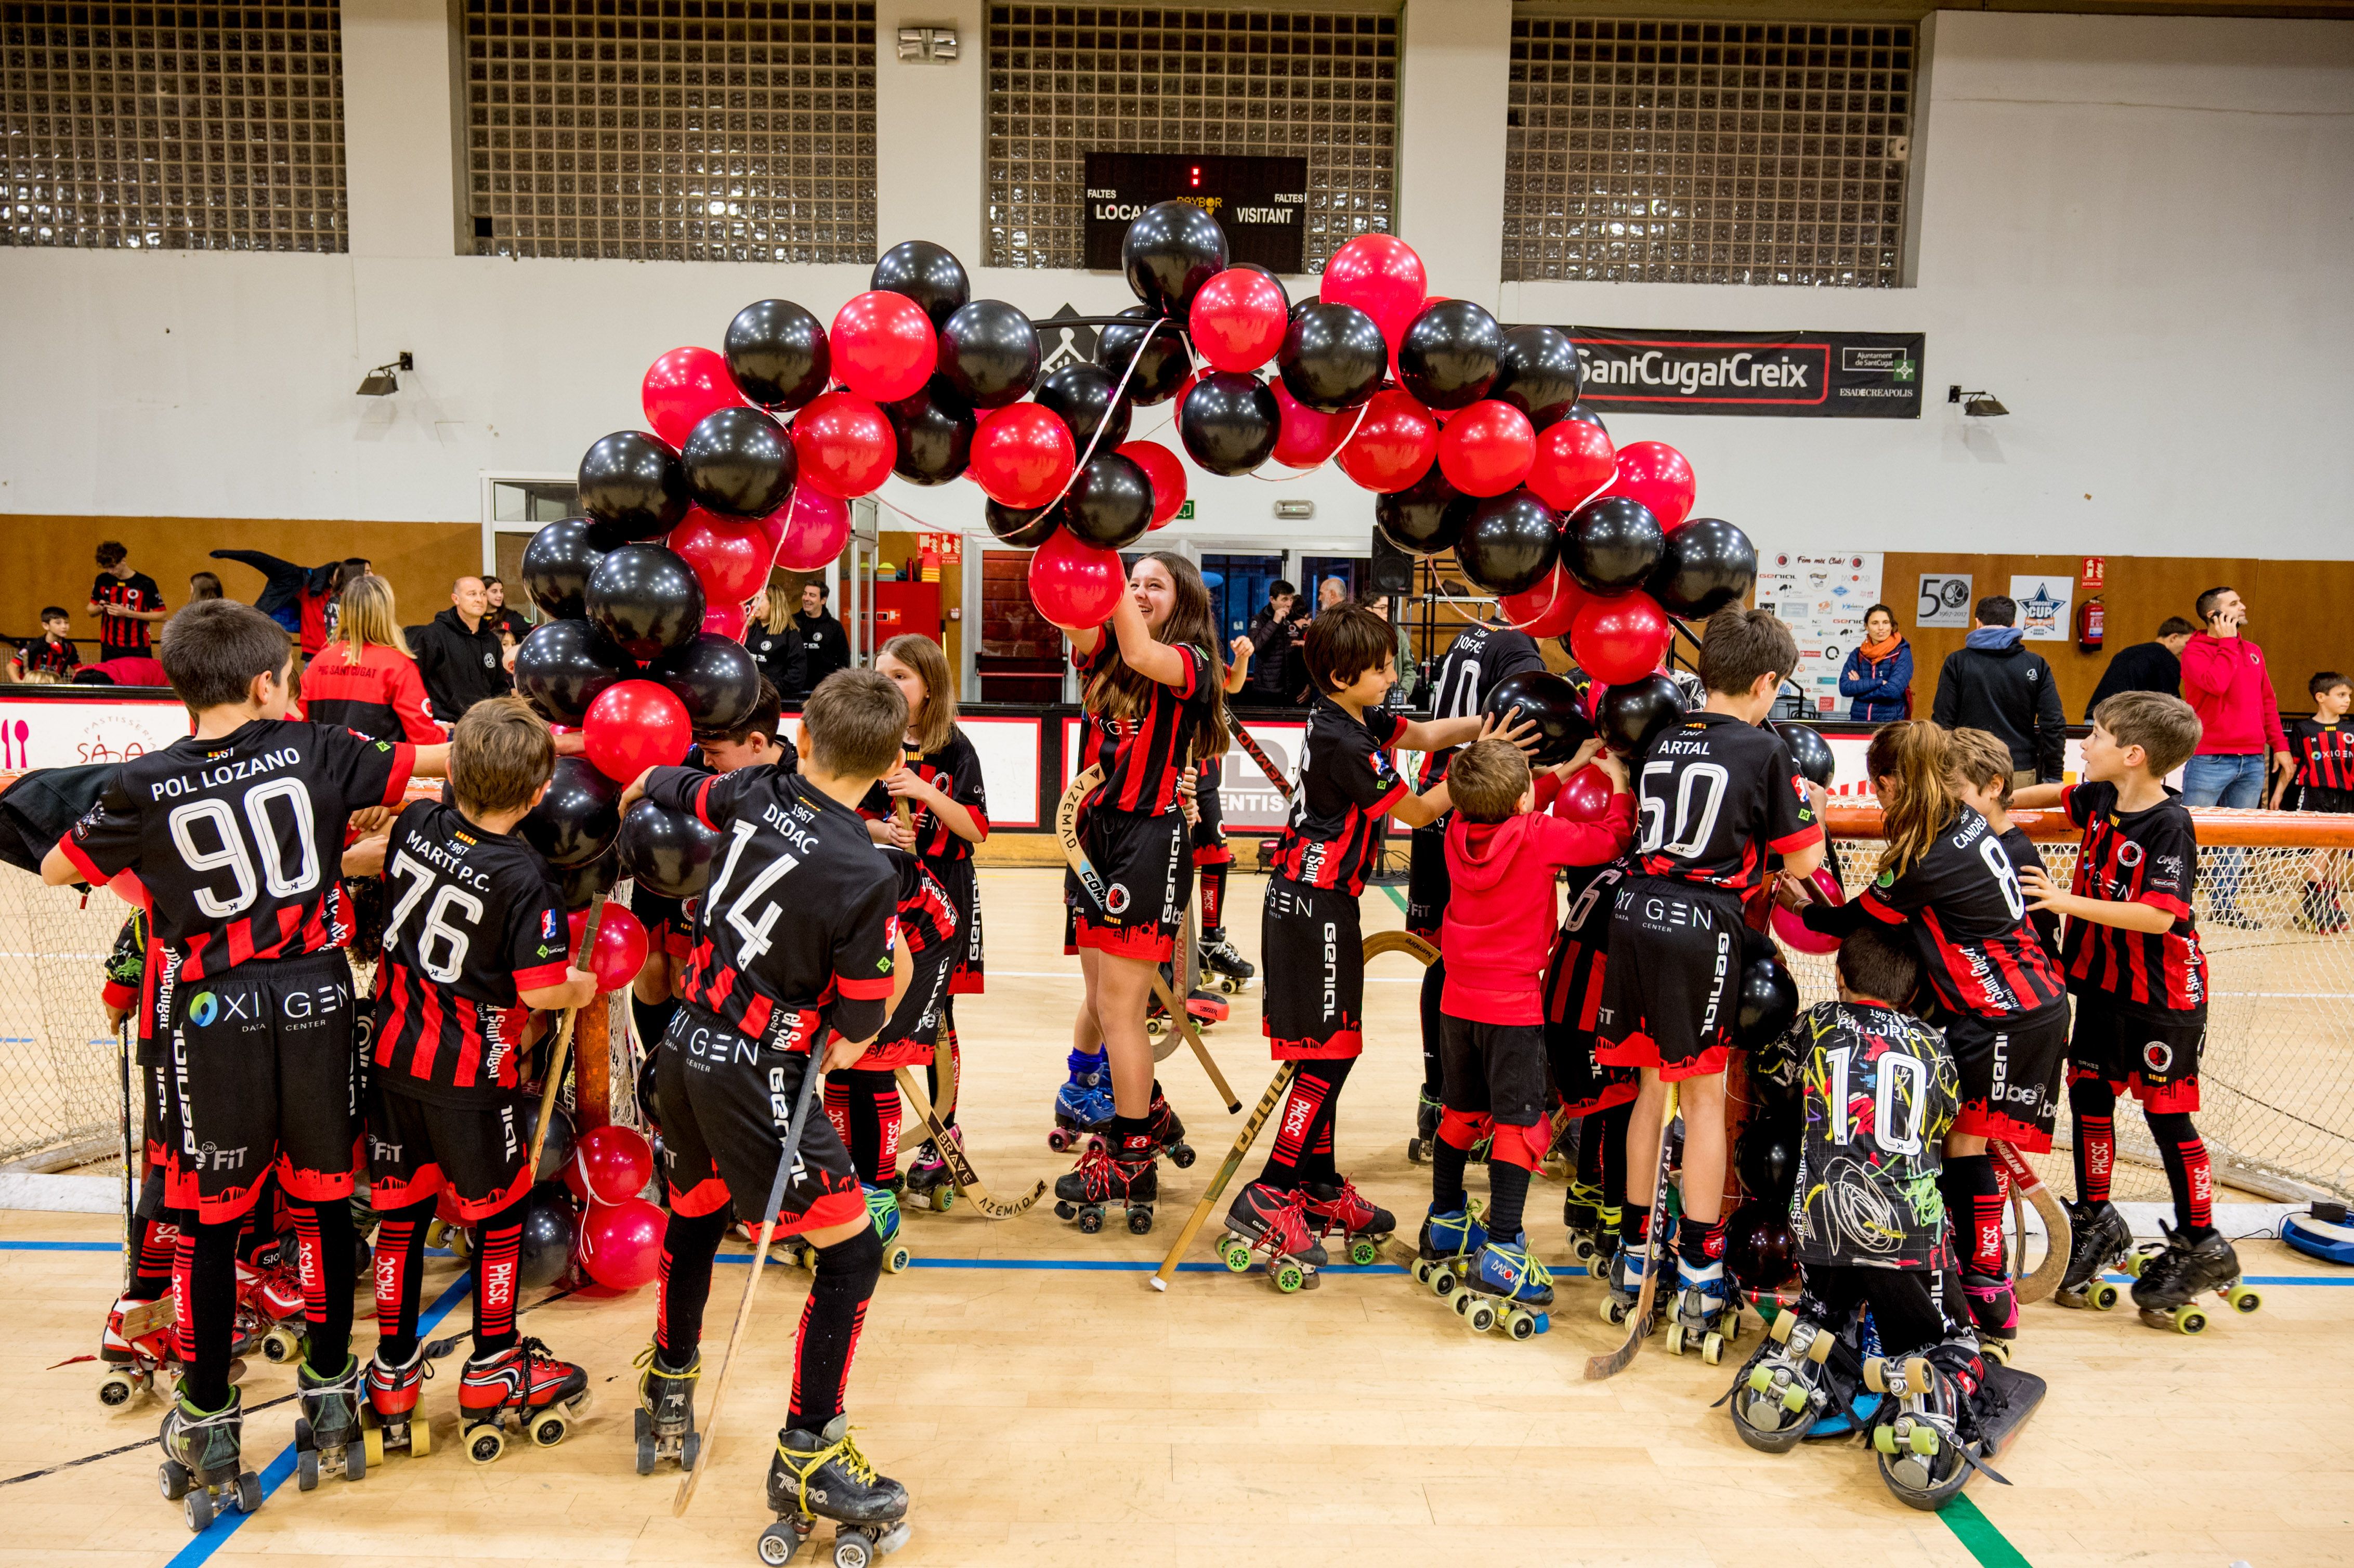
[[802, 1467], [1346, 1205], [1521, 1264], [650, 1362]]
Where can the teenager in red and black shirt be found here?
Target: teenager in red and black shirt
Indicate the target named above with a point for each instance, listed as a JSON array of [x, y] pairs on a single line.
[[124, 601], [364, 679], [2322, 746]]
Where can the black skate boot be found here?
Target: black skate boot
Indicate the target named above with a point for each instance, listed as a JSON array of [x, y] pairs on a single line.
[[2170, 1282], [203, 1469], [1168, 1132], [1264, 1218], [1340, 1210], [928, 1185], [1221, 966], [1103, 1180], [1994, 1311], [2098, 1240], [822, 1475], [1787, 1387], [665, 1422], [328, 1430], [1590, 1226], [1426, 1129]]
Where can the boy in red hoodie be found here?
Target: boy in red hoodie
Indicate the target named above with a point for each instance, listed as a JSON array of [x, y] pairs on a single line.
[[1501, 858]]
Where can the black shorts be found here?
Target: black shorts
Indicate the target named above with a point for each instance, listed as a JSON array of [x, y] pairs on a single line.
[[727, 1103], [264, 1077], [1670, 990], [1495, 1070], [1573, 982], [1209, 834], [1427, 883], [910, 1035], [2320, 797], [669, 931], [2009, 1072], [415, 1147], [1147, 874], [961, 881], [1313, 958], [2152, 1053]]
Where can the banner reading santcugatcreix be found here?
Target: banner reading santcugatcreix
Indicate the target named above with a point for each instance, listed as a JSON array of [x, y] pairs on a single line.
[[1795, 374]]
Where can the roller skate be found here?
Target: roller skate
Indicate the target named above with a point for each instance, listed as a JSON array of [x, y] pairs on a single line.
[[1505, 1288], [883, 1208], [1103, 1180], [1926, 1433], [2319, 910], [1446, 1250], [1083, 1106], [928, 1185], [1994, 1311], [328, 1431], [1593, 1229], [2098, 1240], [1560, 1162], [203, 1470], [1706, 1317], [392, 1421], [822, 1475], [449, 1233], [2170, 1280], [1168, 1132], [140, 1341], [1202, 1007], [1222, 966], [1788, 1386], [1426, 1129], [1342, 1210], [544, 1394], [665, 1417], [270, 1306], [1625, 1273], [1264, 1218]]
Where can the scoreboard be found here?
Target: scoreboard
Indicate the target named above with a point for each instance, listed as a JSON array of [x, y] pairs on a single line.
[[1261, 203]]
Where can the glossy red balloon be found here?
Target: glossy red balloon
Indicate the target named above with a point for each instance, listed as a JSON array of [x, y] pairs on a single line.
[[1306, 439], [1548, 610], [1792, 931], [620, 949], [1395, 445], [1075, 586], [1486, 449], [1167, 474], [1656, 474], [1021, 456], [635, 725], [1238, 319], [621, 1243], [1585, 796], [815, 529], [1381, 276], [683, 385], [1574, 461], [845, 442], [729, 555], [883, 347], [609, 1164], [1617, 641], [723, 620]]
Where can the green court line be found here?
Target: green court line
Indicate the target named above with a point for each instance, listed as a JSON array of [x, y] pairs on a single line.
[[1976, 1533], [1396, 897]]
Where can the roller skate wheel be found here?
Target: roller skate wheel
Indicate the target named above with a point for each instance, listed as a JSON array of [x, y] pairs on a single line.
[[199, 1507], [1996, 1350], [1156, 1027], [1480, 1316], [280, 1345], [1884, 1439], [1783, 1326], [1417, 1150], [942, 1199], [778, 1543], [1064, 1211], [547, 1431], [2242, 1299], [646, 1452], [1140, 1222], [1582, 1250], [1675, 1340], [355, 1461], [896, 1261], [690, 1450], [1613, 1312], [1059, 1140], [1420, 1271], [372, 1438], [1875, 1375], [852, 1551], [2101, 1296], [1794, 1398], [249, 1493], [485, 1443], [1363, 1253], [2189, 1320], [2135, 1262], [115, 1389], [437, 1234], [1760, 1379], [1459, 1303], [1288, 1276], [1235, 1253], [462, 1245], [306, 1469], [1182, 1156], [1522, 1324], [577, 1407], [1923, 1441], [172, 1480], [1712, 1351]]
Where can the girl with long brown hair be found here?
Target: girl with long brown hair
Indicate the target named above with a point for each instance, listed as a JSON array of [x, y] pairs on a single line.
[[365, 678]]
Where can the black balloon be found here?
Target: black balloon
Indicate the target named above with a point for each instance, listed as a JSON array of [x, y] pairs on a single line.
[[988, 354], [934, 429], [926, 274], [1109, 504], [1332, 357], [556, 562], [1229, 422], [579, 883], [1767, 1157], [1759, 1249], [1424, 518], [1706, 565], [562, 665], [1767, 1003], [1509, 544], [670, 852], [740, 464], [1551, 703], [776, 354], [1810, 751], [558, 1147], [1450, 355], [1169, 252], [646, 599], [633, 486], [1585, 416], [1538, 373], [717, 680], [545, 1252], [1611, 545], [650, 1097], [578, 817], [1164, 365], [1023, 527], [1081, 395], [1630, 717]]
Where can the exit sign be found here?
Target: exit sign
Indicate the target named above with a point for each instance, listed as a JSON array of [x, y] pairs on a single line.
[[1184, 512]]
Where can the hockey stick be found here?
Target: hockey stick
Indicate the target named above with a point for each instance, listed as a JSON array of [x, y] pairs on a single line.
[[804, 1108], [951, 1154], [1420, 947], [2027, 1187], [1234, 1161], [944, 1069], [130, 1166], [1274, 776], [1655, 1257], [563, 1040]]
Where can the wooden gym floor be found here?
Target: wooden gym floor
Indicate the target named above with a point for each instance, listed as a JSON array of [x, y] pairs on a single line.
[[1046, 1407]]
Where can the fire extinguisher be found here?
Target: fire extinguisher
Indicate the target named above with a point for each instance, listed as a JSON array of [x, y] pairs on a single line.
[[2089, 620]]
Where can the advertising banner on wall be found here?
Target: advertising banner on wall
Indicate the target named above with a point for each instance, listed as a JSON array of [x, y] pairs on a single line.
[[1822, 598], [66, 732], [2043, 604], [1944, 599], [1795, 374]]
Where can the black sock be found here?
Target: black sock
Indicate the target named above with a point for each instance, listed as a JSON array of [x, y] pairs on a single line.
[[1130, 1137], [1434, 981], [830, 1320], [330, 1321], [212, 1313], [851, 1106], [1610, 1129], [1447, 1165], [1302, 1151], [652, 1018], [1507, 1191], [1634, 1223], [1700, 1241], [153, 1243], [689, 1244]]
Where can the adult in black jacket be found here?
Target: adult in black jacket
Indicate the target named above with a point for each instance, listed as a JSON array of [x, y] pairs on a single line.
[[459, 655], [1273, 632], [826, 647], [775, 646], [1995, 684], [2145, 666]]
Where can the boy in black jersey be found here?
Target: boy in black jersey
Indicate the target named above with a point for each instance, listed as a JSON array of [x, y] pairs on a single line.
[[1982, 782], [475, 939], [51, 655], [235, 833], [2322, 746], [789, 972], [1717, 794]]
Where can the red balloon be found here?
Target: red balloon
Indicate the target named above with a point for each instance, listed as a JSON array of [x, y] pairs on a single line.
[[1548, 610], [1022, 457], [1793, 930], [844, 442], [1306, 438], [883, 347], [1381, 275], [620, 949], [610, 1164], [1656, 474], [1075, 586], [814, 532], [1620, 640], [1574, 460], [635, 725], [1167, 474], [683, 385], [1238, 319], [721, 620], [1396, 444], [621, 1243], [730, 556], [1585, 796], [1486, 449]]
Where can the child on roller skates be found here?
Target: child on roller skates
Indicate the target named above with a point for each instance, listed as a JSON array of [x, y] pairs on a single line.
[[791, 958], [233, 833], [1219, 961], [1596, 1100], [2322, 746], [475, 940], [1501, 862], [1982, 782], [2134, 960], [1718, 792]]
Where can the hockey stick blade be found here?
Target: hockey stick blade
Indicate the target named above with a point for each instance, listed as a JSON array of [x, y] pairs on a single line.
[[2027, 1187], [1639, 1321], [951, 1154], [1233, 1162]]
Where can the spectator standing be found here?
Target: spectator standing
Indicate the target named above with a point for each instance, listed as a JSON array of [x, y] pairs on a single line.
[[2227, 685], [1330, 594], [50, 656], [826, 647], [770, 637], [1409, 673], [124, 601], [1879, 671], [203, 586], [300, 599], [2145, 666], [366, 680], [1995, 684], [459, 655], [506, 620], [1273, 630]]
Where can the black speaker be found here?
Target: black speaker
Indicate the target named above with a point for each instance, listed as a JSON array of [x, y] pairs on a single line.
[[1391, 571]]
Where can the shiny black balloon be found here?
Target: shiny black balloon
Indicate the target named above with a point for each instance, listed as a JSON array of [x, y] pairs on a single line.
[[776, 354], [557, 1150], [646, 599], [1767, 1003], [1080, 395], [1766, 1157], [1759, 1249], [1426, 517], [650, 1099], [1551, 703], [1631, 716], [578, 817], [1611, 545], [549, 1227], [1450, 355], [1269, 274], [1810, 751], [926, 274], [1510, 543], [1023, 527], [579, 883], [1229, 421], [934, 429], [740, 464], [1332, 357], [717, 680], [556, 562], [1585, 416], [988, 354], [670, 852], [1707, 563], [1538, 373], [1160, 371], [633, 486], [1170, 249], [561, 666], [1109, 504]]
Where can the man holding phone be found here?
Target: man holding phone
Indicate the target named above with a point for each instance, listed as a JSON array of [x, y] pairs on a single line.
[[2226, 683]]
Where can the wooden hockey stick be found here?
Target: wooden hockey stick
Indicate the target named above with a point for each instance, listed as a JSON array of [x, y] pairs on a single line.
[[1420, 947], [944, 1068], [130, 1166], [951, 1154], [563, 1040], [1217, 1187], [1655, 1258], [2027, 1187], [1274, 776]]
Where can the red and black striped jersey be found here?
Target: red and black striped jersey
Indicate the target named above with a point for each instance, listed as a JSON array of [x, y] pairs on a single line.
[[2149, 856], [237, 838], [1348, 783], [1969, 917], [1144, 755], [794, 935], [382, 695], [121, 634], [42, 657], [926, 915], [1715, 796], [2323, 753], [1582, 948], [473, 920], [954, 771], [1478, 662], [2023, 853]]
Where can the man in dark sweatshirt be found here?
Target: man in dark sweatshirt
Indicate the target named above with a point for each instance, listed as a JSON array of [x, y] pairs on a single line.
[[2145, 666], [1995, 684], [459, 655], [826, 647]]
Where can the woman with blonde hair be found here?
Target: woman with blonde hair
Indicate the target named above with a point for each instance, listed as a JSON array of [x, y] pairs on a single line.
[[770, 637], [365, 678]]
